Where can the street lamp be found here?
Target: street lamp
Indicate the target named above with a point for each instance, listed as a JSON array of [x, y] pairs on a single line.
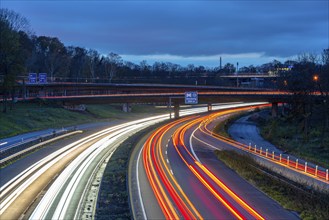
[[237, 78], [315, 78]]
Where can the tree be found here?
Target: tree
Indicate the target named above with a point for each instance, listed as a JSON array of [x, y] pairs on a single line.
[[323, 86], [229, 68], [300, 81], [115, 61], [78, 63], [93, 60], [145, 69], [11, 57], [50, 54]]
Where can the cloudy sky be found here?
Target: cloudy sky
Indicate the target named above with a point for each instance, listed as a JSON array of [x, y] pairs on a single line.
[[198, 32]]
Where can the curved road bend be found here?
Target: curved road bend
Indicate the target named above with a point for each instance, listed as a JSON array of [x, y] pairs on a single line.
[[63, 198], [17, 183], [186, 187], [268, 208], [20, 191]]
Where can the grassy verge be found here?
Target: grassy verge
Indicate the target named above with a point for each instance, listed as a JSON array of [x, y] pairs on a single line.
[[309, 204], [113, 200], [26, 117], [287, 134]]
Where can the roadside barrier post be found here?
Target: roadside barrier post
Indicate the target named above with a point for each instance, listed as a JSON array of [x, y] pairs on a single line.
[[273, 155], [280, 157], [316, 170], [255, 148], [327, 174], [260, 150], [297, 164], [288, 161], [266, 152], [305, 167], [249, 146]]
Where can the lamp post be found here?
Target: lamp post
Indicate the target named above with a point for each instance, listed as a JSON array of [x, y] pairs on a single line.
[[237, 79], [316, 78]]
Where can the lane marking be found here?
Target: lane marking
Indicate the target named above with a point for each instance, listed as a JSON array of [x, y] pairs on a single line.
[[138, 186]]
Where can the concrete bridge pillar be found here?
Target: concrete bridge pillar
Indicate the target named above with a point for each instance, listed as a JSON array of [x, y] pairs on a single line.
[[209, 107], [274, 109], [126, 107], [176, 110]]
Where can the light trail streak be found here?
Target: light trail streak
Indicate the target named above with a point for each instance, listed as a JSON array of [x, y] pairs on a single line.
[[82, 162], [220, 198], [159, 174], [229, 191], [170, 172], [179, 136], [76, 170], [150, 156], [162, 198]]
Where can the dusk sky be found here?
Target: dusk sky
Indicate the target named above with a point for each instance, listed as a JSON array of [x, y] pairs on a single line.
[[183, 32]]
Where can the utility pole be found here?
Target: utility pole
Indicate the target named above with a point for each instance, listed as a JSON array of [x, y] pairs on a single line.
[[220, 63], [237, 79]]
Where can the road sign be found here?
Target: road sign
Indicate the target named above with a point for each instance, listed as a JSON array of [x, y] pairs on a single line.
[[191, 98], [32, 78], [42, 78]]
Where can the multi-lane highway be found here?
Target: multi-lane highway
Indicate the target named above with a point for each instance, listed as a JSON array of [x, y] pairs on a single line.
[[188, 182], [74, 163], [176, 172], [63, 173]]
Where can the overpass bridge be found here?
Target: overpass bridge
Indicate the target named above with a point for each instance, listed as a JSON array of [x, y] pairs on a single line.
[[71, 89], [71, 94], [178, 98]]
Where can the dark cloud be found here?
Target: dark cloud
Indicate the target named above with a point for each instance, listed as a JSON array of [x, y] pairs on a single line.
[[184, 28]]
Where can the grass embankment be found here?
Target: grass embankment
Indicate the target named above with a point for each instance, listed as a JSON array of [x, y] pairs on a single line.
[[113, 200], [287, 133], [309, 204], [26, 117]]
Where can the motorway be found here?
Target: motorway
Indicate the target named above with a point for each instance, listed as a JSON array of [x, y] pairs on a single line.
[[71, 166], [59, 177], [185, 183], [176, 163]]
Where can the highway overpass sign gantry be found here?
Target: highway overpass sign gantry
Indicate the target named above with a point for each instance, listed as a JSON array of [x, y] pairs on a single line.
[[191, 98]]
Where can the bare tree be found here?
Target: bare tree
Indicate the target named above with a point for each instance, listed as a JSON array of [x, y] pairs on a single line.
[[15, 21], [11, 57], [115, 61], [93, 60]]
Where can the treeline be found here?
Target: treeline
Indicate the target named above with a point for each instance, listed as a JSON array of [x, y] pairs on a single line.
[[22, 53]]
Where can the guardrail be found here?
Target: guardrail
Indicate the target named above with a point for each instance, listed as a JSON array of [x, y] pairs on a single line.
[[292, 162], [283, 159], [21, 149]]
